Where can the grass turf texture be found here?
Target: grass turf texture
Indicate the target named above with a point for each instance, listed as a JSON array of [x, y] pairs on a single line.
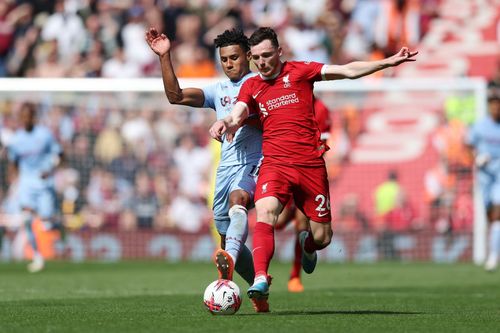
[[159, 297]]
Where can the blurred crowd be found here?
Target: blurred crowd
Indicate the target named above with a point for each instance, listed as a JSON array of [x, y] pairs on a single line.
[[124, 170], [105, 38], [146, 167]]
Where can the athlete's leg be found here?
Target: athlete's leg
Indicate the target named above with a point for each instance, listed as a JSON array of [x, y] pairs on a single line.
[[313, 199], [286, 216], [301, 224], [37, 262], [2, 233], [268, 209], [237, 233], [494, 239], [491, 195], [311, 241]]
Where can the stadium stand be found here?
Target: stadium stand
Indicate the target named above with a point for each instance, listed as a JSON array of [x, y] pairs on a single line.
[[129, 170]]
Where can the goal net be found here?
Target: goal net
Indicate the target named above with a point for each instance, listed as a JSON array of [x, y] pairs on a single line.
[[138, 171]]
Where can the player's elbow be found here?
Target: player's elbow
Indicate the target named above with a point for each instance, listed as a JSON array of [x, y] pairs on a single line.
[[174, 98]]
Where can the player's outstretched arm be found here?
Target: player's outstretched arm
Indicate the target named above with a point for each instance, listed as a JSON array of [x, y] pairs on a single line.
[[230, 124], [357, 69], [160, 45]]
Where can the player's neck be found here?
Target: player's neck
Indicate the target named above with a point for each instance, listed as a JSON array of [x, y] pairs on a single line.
[[240, 78]]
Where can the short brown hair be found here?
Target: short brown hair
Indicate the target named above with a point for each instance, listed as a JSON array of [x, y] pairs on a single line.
[[261, 35]]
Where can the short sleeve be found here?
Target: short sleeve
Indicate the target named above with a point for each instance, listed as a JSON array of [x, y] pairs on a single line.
[[310, 70], [209, 92]]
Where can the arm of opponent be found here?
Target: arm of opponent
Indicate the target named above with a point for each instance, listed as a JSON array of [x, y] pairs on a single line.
[[230, 124], [357, 69], [160, 44]]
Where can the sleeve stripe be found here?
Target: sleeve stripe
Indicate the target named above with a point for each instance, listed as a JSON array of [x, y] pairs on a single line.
[[244, 104], [323, 72]]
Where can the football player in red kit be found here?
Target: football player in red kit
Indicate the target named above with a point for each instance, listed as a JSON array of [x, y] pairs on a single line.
[[290, 212], [293, 164]]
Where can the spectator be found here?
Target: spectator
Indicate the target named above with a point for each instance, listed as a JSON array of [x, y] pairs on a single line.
[[135, 47], [386, 195], [64, 19], [351, 218], [144, 205], [119, 67], [193, 163]]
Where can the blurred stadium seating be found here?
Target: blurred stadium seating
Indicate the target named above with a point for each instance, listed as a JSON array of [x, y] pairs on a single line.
[[137, 170]]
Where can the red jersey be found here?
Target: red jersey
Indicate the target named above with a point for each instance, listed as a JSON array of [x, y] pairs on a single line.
[[322, 115], [285, 107]]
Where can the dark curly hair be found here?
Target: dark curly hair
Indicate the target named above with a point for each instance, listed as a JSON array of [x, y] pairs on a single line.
[[232, 37], [262, 34]]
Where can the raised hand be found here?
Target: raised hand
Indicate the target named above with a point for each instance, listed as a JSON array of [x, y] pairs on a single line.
[[159, 43], [404, 55]]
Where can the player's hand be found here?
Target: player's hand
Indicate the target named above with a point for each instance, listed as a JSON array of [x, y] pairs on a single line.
[[218, 129], [159, 43], [229, 137], [404, 55]]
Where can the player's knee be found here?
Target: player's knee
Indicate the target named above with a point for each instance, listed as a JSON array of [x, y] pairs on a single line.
[[237, 209], [267, 216], [324, 239], [323, 242], [239, 198]]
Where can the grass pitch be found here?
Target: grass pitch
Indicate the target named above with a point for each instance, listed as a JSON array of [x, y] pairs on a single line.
[[160, 297]]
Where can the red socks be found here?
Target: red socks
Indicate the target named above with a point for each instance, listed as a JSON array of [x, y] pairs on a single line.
[[297, 260], [263, 247]]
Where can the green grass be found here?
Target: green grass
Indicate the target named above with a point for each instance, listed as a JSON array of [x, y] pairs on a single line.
[[160, 297]]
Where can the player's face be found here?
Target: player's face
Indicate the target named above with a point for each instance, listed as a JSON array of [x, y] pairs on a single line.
[[234, 61], [28, 117], [266, 57], [494, 107]]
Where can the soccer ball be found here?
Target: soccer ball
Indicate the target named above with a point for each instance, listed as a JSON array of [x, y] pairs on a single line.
[[222, 297]]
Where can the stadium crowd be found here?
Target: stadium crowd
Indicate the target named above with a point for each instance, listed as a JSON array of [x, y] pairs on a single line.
[[104, 38], [143, 168]]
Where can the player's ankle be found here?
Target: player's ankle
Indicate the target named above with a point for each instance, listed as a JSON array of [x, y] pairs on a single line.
[[260, 278]]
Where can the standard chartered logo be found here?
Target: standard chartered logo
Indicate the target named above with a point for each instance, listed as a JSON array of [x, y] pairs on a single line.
[[281, 101]]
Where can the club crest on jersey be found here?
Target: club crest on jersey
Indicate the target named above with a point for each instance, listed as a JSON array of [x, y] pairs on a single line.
[[263, 110], [264, 188], [286, 81]]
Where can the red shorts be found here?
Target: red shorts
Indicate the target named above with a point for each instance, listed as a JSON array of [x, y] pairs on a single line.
[[307, 185]]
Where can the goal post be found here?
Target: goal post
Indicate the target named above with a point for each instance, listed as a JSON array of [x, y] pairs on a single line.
[[379, 125]]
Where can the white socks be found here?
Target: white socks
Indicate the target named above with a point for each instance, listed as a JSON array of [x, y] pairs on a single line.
[[494, 240]]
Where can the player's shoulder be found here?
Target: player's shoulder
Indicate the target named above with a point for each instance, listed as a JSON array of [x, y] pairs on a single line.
[[254, 77], [252, 81], [482, 123], [44, 133], [301, 64], [42, 130]]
